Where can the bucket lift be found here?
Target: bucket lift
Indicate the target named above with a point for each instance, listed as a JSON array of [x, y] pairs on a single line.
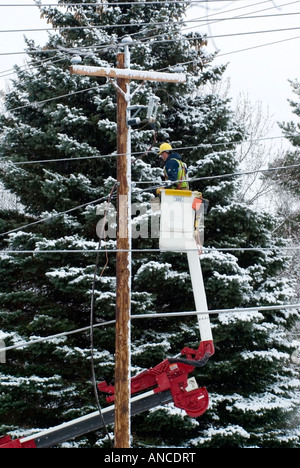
[[180, 230], [169, 381]]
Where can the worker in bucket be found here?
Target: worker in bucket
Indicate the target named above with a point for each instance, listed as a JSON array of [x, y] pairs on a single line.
[[175, 169]]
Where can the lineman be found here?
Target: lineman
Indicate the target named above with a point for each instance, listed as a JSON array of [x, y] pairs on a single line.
[[175, 168]]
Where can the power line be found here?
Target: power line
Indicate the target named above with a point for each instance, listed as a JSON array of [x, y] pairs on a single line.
[[136, 153], [29, 66], [181, 21], [217, 311], [222, 176], [92, 311], [252, 32], [183, 63], [106, 26], [159, 183], [151, 316], [240, 16], [204, 249], [35, 103], [156, 2], [55, 215], [58, 335], [252, 12], [258, 46], [141, 41]]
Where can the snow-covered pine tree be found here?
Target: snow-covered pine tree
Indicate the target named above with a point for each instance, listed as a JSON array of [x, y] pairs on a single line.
[[71, 121], [287, 181]]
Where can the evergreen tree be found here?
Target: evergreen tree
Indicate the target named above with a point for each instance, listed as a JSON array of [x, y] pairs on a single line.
[[286, 182], [71, 120]]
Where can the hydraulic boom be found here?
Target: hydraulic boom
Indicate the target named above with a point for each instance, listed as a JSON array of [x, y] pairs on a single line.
[[169, 381]]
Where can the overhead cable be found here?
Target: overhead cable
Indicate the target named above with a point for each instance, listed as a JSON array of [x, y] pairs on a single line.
[[141, 41], [192, 61], [136, 153], [258, 46], [150, 23], [97, 4], [158, 183], [153, 316], [227, 11], [204, 250], [52, 99], [55, 215], [222, 176]]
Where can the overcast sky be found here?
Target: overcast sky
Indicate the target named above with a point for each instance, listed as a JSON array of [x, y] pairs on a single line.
[[263, 70], [260, 72]]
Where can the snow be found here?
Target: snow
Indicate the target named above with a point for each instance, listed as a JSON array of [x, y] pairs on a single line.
[[224, 266], [142, 348], [67, 242], [232, 431], [128, 73], [13, 381], [165, 268], [269, 355], [259, 403], [233, 317]]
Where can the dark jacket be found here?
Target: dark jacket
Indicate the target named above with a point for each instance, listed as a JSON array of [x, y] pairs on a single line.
[[172, 166]]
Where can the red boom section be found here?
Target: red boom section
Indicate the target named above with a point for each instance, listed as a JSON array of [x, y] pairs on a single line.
[[7, 442], [172, 374]]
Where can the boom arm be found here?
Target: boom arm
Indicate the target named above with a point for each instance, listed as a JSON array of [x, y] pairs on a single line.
[[172, 374], [88, 423], [169, 381]]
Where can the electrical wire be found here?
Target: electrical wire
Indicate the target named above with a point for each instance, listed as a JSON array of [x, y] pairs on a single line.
[[240, 16], [36, 103], [194, 21], [56, 336], [140, 154], [55, 215], [184, 63], [92, 312], [174, 314], [29, 66], [153, 315], [219, 55], [146, 40], [95, 4], [221, 176], [156, 24], [258, 46], [204, 250], [158, 184]]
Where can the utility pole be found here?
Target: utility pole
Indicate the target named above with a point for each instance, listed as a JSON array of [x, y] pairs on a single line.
[[124, 75], [123, 262]]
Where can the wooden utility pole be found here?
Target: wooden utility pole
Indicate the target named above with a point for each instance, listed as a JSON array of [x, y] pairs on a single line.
[[123, 268], [123, 273]]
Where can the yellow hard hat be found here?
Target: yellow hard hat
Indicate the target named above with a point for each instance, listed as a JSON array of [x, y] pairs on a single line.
[[165, 147]]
